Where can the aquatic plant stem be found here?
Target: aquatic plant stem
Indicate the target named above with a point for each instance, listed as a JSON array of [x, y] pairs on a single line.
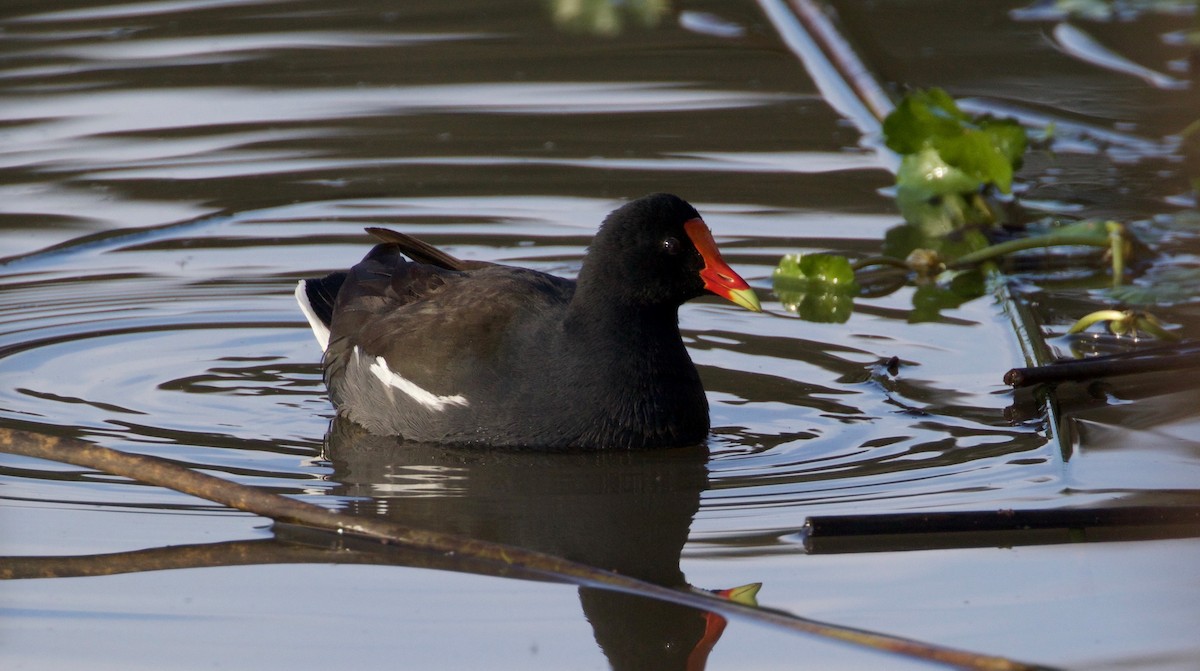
[[1021, 244], [1116, 242], [163, 473]]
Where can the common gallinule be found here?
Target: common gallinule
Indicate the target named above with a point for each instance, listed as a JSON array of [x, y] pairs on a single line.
[[438, 349]]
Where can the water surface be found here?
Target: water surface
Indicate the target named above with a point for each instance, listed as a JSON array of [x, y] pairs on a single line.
[[169, 170]]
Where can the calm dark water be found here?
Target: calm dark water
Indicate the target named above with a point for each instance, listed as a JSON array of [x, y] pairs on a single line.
[[168, 170]]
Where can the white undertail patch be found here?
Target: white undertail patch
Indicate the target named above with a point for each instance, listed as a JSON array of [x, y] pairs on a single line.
[[320, 330], [394, 380]]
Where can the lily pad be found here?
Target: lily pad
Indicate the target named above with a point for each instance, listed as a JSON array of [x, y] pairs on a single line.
[[984, 149], [818, 287]]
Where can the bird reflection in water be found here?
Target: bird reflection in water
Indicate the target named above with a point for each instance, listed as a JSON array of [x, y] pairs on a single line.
[[629, 512]]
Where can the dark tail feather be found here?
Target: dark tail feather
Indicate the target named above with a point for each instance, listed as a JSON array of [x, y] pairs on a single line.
[[322, 294], [423, 252]]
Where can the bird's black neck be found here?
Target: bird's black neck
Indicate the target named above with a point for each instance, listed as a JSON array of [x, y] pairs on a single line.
[[643, 384], [623, 327]]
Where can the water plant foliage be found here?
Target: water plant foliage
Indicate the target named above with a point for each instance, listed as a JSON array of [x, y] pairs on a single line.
[[954, 189]]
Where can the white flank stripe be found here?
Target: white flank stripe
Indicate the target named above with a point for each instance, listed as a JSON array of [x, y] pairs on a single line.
[[320, 330], [393, 380]]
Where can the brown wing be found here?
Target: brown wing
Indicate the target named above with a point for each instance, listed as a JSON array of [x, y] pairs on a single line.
[[423, 252]]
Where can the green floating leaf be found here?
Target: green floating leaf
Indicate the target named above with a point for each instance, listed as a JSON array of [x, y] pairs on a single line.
[[930, 193], [901, 241], [829, 271], [984, 150], [983, 155], [819, 307], [818, 287], [928, 173], [930, 299], [920, 117], [1008, 137]]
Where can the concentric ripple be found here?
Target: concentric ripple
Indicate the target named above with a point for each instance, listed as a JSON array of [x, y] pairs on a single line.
[[185, 341]]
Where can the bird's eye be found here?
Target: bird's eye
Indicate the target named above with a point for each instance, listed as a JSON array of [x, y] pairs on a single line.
[[670, 245]]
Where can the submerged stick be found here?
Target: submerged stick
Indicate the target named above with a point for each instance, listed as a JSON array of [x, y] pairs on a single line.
[[816, 20], [904, 532], [1001, 520], [163, 473], [1181, 357]]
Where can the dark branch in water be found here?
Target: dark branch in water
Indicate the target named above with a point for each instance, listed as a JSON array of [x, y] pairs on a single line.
[[1173, 357], [384, 535], [996, 528], [292, 545]]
